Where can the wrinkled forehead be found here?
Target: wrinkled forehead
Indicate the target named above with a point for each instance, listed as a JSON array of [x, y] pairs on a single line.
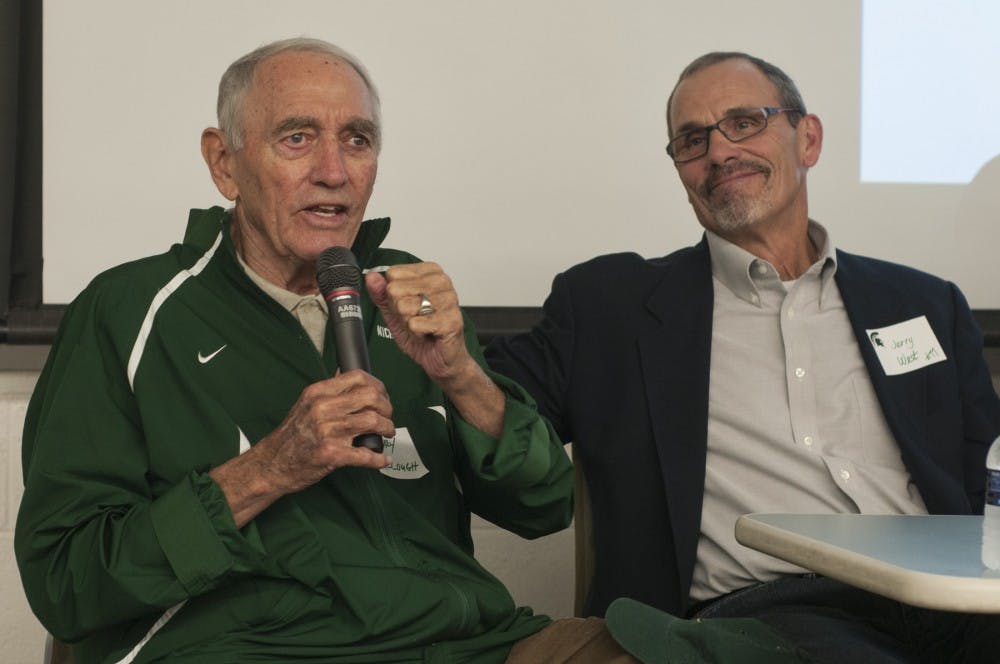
[[711, 93], [295, 78]]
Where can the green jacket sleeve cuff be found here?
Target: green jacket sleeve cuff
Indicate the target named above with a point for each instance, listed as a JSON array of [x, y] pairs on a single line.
[[527, 449], [193, 524]]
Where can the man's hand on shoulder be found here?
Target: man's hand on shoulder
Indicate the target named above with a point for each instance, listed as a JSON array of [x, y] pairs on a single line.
[[314, 439]]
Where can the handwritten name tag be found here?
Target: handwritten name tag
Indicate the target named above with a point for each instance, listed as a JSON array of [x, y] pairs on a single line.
[[906, 346], [406, 461]]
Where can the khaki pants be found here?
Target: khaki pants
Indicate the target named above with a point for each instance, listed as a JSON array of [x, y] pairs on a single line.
[[571, 641]]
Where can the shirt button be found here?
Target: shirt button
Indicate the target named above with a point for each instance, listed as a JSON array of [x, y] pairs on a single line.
[[754, 298], [800, 372], [808, 440], [791, 313], [761, 269], [844, 475]]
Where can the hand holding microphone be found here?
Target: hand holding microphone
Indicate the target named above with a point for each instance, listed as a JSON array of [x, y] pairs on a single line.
[[420, 307], [339, 280], [429, 330]]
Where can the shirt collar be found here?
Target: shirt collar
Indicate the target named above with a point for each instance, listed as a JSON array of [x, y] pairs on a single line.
[[740, 271], [286, 298], [204, 226]]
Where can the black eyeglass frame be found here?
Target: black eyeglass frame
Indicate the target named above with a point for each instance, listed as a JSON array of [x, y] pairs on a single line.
[[767, 111]]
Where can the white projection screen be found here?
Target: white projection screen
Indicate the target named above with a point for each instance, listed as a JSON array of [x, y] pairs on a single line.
[[524, 136]]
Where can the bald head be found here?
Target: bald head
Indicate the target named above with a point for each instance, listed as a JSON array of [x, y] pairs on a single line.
[[239, 78]]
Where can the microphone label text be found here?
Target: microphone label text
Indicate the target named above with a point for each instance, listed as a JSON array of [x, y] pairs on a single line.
[[348, 311]]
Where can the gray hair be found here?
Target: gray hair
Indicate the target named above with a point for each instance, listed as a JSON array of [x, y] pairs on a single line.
[[788, 94], [238, 78]]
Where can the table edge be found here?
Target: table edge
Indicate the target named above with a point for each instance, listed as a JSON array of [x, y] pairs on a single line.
[[923, 589]]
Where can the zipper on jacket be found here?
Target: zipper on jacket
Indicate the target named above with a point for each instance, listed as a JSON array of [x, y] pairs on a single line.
[[463, 598], [391, 545], [389, 541]]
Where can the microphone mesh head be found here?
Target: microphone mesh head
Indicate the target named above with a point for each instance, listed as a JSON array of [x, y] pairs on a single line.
[[337, 269]]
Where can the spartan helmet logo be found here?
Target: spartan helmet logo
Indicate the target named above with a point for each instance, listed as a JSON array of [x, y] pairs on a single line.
[[875, 340]]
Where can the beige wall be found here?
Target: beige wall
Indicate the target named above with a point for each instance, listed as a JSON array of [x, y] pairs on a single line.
[[21, 637], [525, 129], [539, 573]]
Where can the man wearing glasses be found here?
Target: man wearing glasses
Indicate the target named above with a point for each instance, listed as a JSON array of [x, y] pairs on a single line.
[[749, 373]]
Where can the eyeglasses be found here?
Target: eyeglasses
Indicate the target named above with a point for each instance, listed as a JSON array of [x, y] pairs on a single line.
[[738, 127]]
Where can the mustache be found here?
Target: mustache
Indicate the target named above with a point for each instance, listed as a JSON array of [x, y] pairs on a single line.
[[723, 171]]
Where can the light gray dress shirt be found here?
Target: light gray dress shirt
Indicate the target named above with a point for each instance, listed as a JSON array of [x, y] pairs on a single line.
[[794, 424]]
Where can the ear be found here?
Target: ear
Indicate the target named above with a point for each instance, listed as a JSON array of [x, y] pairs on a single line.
[[215, 150], [810, 137]]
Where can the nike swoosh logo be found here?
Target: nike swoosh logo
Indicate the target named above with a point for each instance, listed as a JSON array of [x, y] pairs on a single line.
[[208, 358]]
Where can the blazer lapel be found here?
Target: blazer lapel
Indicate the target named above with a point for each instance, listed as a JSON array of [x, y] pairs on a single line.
[[871, 303], [675, 349]]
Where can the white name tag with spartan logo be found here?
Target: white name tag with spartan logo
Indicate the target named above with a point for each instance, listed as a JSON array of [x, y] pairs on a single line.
[[906, 346]]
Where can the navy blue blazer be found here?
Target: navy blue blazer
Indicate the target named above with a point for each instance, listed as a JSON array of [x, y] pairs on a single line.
[[620, 362]]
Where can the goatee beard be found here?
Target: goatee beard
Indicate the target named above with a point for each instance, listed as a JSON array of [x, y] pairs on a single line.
[[734, 210]]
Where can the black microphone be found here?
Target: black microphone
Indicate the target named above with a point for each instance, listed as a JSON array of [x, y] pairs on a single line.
[[339, 280]]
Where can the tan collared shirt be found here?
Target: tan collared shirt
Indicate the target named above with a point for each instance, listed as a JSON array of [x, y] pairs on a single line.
[[309, 310], [794, 424]]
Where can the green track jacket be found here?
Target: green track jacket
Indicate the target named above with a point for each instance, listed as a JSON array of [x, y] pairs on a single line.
[[166, 367]]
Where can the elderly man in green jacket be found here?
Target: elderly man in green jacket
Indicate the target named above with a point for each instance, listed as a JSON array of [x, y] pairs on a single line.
[[191, 488]]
